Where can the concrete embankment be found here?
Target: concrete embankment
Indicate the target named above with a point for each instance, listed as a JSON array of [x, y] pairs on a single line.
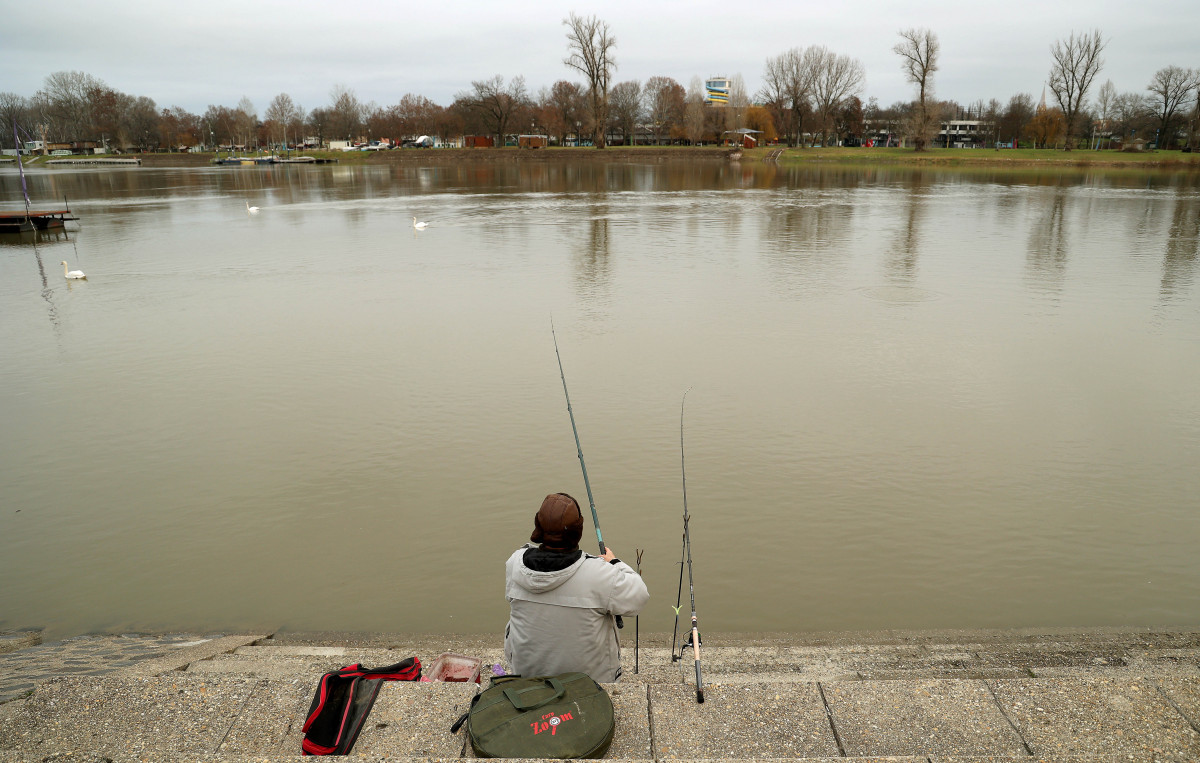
[[898, 696]]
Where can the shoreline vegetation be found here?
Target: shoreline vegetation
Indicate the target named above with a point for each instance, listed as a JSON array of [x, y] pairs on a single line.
[[940, 158]]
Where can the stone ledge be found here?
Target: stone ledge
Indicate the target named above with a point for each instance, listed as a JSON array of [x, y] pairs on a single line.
[[1089, 697]]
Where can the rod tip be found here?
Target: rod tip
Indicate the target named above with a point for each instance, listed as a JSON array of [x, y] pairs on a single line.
[[700, 696]]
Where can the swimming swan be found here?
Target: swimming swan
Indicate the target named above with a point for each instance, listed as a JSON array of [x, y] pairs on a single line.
[[250, 209], [73, 273], [419, 225]]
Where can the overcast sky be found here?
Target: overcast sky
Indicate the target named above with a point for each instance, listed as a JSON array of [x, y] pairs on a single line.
[[204, 53]]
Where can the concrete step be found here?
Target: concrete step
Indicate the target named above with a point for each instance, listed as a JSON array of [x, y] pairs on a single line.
[[793, 664], [1098, 697], [23, 669], [182, 714]]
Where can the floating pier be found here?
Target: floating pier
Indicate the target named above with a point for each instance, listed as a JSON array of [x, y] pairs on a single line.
[[21, 221], [95, 160], [246, 160], [253, 160], [304, 160]]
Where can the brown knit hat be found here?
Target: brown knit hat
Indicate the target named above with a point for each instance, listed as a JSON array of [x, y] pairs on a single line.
[[559, 523]]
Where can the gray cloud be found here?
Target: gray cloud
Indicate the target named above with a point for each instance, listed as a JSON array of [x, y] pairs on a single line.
[[199, 54]]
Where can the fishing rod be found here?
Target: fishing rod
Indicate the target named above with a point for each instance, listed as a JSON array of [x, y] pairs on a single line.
[[636, 618], [21, 166], [693, 639], [579, 450]]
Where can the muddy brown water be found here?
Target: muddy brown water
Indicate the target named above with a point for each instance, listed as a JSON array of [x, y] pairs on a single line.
[[919, 399]]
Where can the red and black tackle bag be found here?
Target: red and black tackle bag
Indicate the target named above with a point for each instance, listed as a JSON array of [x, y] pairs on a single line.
[[343, 700]]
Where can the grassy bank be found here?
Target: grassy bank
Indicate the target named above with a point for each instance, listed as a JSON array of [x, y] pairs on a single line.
[[936, 157], [972, 157]]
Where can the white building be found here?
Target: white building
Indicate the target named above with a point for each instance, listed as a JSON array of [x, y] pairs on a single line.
[[964, 133]]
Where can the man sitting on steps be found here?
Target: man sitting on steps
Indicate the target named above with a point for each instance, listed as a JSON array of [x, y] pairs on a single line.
[[563, 603]]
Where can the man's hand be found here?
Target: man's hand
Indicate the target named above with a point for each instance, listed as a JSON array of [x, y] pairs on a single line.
[[608, 554]]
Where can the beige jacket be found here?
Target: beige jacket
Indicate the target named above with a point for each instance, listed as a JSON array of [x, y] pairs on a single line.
[[564, 621]]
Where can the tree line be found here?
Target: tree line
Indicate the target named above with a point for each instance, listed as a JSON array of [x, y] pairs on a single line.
[[809, 96]]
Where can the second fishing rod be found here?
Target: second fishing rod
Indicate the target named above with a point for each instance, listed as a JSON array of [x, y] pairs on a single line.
[[693, 639]]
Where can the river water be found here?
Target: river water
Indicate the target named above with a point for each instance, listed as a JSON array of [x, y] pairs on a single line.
[[918, 399]]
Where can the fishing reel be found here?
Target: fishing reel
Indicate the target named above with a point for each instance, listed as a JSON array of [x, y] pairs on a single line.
[[686, 645]]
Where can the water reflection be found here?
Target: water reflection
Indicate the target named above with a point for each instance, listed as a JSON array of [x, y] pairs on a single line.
[[1048, 250], [593, 269], [1183, 244], [47, 294], [902, 265]]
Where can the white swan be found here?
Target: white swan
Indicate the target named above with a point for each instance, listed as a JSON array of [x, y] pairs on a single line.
[[419, 225], [250, 209], [73, 273]]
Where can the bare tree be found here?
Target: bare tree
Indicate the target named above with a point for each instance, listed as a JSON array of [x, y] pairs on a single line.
[[66, 100], [495, 103], [1076, 63], [918, 50], [848, 122], [562, 109], [14, 111], [1017, 114], [788, 82], [627, 108], [281, 117], [1104, 106], [838, 78], [345, 115], [384, 122], [318, 122], [138, 120], [693, 117], [1195, 130], [1170, 90], [738, 105], [589, 46], [418, 115], [218, 125], [991, 116], [1132, 113], [247, 121], [178, 127], [665, 99]]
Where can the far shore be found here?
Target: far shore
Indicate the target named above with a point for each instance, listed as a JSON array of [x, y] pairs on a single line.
[[938, 158]]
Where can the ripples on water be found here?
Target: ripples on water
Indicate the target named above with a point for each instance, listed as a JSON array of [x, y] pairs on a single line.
[[920, 399]]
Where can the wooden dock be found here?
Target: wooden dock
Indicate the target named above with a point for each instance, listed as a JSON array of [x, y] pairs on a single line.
[[95, 160], [21, 221]]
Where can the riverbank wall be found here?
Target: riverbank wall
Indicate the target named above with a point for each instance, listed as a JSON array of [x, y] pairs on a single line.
[[1051, 695]]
